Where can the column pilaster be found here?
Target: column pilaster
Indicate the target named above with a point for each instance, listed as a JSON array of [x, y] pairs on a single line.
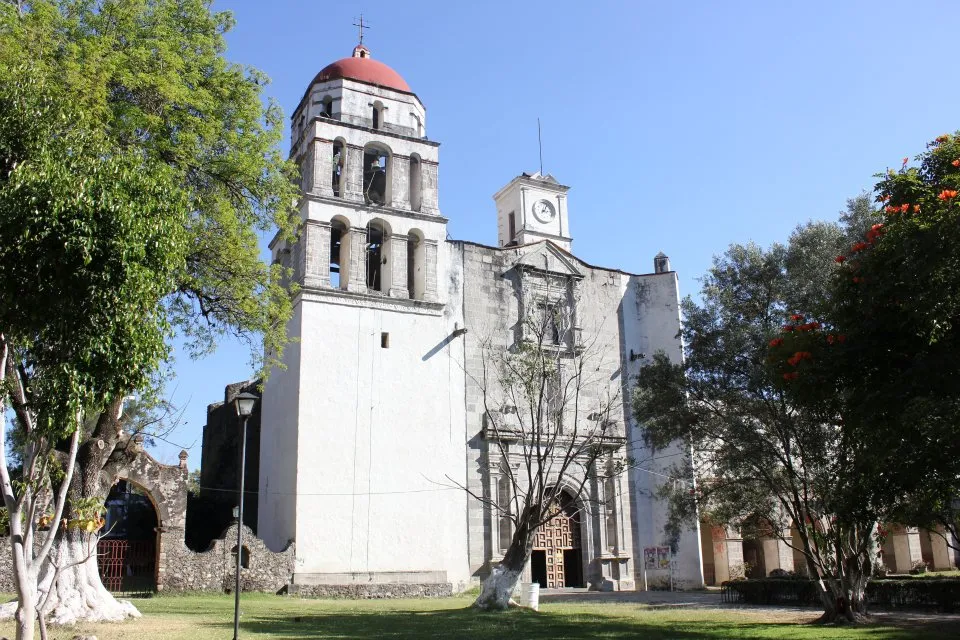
[[398, 266]]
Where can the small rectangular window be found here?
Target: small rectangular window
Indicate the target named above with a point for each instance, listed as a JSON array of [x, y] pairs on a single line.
[[513, 227], [384, 340]]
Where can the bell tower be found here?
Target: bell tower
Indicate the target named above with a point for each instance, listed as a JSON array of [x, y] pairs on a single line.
[[531, 208], [369, 180], [373, 302]]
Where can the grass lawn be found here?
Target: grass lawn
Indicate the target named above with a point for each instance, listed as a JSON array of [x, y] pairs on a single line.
[[264, 616]]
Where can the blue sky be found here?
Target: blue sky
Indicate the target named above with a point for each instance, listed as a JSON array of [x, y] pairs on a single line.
[[679, 126]]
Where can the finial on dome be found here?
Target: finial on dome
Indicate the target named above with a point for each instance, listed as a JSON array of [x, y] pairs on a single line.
[[361, 51]]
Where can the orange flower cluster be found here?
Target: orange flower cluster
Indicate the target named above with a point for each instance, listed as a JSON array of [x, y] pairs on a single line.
[[942, 138], [947, 194], [905, 161], [860, 246], [956, 162], [798, 356], [903, 208], [840, 259], [884, 198], [776, 342], [792, 375], [787, 328], [875, 232], [796, 317], [808, 326]]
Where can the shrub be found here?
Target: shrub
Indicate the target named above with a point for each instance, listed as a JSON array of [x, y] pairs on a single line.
[[942, 594], [772, 591], [918, 568]]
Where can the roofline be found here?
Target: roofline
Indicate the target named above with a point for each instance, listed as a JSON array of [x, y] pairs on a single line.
[[586, 264], [383, 132], [522, 179]]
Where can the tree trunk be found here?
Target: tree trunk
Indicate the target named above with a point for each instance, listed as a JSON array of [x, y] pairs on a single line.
[[497, 588], [844, 600], [25, 614], [76, 593]]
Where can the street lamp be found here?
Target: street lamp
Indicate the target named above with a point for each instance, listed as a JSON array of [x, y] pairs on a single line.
[[243, 403]]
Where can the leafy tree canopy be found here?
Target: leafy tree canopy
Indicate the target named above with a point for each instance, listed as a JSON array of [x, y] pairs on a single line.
[[152, 75]]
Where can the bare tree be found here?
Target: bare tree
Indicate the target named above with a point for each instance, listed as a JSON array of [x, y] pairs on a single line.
[[554, 419]]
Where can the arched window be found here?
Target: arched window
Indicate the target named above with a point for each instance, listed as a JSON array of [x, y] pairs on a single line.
[[339, 159], [377, 174], [339, 253], [416, 264], [378, 256], [416, 183], [377, 114]]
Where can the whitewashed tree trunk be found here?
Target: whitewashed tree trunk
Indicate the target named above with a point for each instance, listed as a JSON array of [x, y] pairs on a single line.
[[497, 588], [78, 595]]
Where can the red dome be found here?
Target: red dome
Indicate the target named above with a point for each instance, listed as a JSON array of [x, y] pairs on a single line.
[[364, 70]]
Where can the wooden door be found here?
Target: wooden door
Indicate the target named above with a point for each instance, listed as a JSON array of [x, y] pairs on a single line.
[[560, 533]]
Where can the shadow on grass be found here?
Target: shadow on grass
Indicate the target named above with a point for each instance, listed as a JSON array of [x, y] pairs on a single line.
[[470, 624]]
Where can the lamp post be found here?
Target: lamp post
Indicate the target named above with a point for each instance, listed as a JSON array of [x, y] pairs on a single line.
[[244, 403]]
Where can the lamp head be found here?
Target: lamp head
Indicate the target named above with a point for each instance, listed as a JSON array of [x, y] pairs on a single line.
[[244, 403]]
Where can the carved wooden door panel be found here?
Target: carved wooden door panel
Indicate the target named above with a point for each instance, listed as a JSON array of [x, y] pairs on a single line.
[[559, 533]]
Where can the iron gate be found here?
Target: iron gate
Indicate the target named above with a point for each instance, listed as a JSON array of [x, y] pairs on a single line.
[[128, 567]]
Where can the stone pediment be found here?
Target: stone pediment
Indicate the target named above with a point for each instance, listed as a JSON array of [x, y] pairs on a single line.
[[549, 258]]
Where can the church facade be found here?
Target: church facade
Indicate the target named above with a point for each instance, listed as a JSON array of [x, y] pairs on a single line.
[[374, 445]]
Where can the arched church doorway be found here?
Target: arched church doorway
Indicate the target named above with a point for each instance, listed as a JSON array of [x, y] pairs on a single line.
[[127, 550], [557, 558]]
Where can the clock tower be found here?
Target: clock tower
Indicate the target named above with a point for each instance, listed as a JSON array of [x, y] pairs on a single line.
[[531, 208]]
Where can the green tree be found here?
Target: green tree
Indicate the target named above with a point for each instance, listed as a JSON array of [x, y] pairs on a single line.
[[91, 241], [896, 294], [761, 460], [149, 78]]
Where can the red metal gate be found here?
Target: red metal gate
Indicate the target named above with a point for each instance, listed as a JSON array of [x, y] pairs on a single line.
[[128, 566]]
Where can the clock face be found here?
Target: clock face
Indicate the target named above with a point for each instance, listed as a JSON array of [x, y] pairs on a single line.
[[543, 211]]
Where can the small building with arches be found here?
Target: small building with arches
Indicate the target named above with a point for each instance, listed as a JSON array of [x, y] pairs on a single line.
[[377, 417]]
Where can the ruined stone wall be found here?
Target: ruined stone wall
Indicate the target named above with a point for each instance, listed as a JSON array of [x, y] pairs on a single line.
[[6, 566], [183, 570], [214, 569]]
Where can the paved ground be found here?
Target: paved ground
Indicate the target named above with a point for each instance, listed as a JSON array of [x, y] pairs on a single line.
[[711, 599]]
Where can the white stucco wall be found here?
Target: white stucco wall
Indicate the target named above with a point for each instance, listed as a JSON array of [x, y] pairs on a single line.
[[650, 320], [381, 431], [279, 424]]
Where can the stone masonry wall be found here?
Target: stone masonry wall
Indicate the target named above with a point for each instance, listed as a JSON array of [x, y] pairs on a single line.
[[372, 591], [210, 571], [214, 569]]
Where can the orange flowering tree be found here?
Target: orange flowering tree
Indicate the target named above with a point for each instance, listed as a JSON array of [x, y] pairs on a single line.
[[885, 361]]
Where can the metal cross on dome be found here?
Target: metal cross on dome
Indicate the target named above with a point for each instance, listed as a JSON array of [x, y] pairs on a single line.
[[361, 26]]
